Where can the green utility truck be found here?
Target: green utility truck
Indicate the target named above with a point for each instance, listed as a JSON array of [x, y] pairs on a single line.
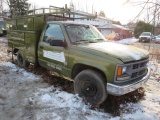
[[77, 51]]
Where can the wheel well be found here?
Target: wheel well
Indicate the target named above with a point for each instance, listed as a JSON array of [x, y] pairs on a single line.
[[80, 67]]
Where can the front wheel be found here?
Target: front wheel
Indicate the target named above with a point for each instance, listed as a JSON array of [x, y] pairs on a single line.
[[91, 85], [21, 60]]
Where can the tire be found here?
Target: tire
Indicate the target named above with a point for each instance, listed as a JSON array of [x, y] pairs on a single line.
[[92, 86], [21, 60]]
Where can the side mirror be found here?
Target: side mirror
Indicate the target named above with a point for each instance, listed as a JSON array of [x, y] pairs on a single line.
[[58, 43]]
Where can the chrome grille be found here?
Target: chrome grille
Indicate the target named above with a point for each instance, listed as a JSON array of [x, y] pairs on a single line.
[[137, 74], [139, 69], [143, 64], [135, 66], [143, 37], [139, 65]]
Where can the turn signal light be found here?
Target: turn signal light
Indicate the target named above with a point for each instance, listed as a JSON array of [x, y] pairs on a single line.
[[119, 71]]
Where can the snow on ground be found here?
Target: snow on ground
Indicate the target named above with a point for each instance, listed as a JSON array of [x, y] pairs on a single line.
[[3, 39], [25, 96], [128, 41]]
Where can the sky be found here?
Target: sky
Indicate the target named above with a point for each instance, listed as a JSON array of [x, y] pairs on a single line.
[[114, 9]]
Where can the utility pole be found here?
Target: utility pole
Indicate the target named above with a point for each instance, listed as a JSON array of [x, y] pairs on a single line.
[[86, 6], [72, 7], [148, 16], [1, 8], [154, 18]]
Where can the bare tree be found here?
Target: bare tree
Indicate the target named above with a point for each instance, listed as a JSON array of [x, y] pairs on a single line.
[[152, 7], [101, 13], [2, 8], [152, 10], [5, 2]]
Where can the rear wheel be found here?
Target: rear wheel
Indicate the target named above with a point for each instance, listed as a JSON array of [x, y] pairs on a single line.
[[90, 85], [21, 60]]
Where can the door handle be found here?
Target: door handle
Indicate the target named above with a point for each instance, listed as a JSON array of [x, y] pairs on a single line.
[[41, 47]]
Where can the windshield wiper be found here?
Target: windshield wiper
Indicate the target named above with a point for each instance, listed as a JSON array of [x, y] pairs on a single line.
[[89, 40], [85, 41], [99, 39]]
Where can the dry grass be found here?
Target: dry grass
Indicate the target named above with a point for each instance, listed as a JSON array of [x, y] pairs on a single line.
[[4, 56], [154, 50]]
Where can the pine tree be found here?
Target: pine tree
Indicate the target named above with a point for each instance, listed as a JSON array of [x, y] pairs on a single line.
[[101, 13], [18, 7], [142, 27]]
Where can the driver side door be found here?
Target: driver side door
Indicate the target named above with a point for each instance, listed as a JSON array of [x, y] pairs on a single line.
[[53, 56]]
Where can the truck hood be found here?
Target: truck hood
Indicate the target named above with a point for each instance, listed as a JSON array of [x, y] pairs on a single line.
[[145, 36], [126, 53]]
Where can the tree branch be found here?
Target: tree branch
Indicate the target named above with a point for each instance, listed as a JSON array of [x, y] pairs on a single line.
[[140, 11], [154, 17]]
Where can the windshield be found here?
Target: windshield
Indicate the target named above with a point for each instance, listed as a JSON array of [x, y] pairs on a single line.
[[79, 33], [146, 34], [2, 24]]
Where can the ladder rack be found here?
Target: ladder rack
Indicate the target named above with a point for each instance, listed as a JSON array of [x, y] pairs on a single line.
[[55, 13]]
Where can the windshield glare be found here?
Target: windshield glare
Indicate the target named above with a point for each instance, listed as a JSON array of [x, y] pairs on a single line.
[[2, 24], [146, 34], [79, 33]]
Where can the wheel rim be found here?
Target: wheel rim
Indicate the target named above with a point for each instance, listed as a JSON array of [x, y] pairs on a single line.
[[20, 59], [89, 89]]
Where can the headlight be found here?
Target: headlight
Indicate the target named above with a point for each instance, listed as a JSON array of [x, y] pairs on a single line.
[[124, 69]]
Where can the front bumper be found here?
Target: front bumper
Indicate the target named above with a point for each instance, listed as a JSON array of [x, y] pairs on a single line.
[[144, 39], [121, 90]]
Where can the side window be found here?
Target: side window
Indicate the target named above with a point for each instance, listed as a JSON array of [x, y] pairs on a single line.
[[53, 32]]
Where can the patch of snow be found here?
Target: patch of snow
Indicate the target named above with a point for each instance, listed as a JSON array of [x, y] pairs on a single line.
[[46, 98], [48, 89], [60, 100], [128, 41], [53, 116], [63, 99], [3, 39], [140, 115], [151, 66], [15, 68], [9, 64], [134, 55], [116, 49], [29, 75]]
